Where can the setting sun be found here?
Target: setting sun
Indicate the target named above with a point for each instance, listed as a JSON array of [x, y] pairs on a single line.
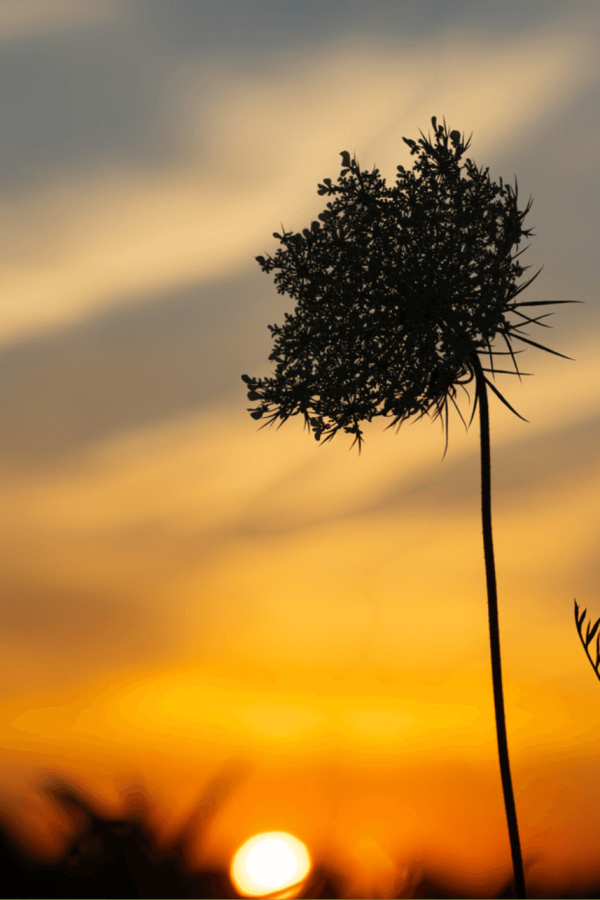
[[270, 862]]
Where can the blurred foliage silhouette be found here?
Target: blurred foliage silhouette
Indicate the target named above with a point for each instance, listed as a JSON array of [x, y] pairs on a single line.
[[117, 858]]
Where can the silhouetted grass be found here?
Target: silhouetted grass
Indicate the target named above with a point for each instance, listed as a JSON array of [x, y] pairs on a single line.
[[116, 858]]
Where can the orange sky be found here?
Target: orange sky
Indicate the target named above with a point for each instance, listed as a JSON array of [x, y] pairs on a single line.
[[182, 592]]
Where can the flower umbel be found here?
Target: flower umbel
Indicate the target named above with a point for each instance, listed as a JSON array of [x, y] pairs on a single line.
[[397, 289], [399, 292]]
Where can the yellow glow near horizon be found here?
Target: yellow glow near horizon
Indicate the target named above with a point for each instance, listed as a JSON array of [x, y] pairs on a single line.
[[269, 862]]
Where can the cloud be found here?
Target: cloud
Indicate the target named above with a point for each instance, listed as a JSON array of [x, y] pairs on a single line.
[[204, 523], [132, 365], [187, 506], [21, 19], [89, 241]]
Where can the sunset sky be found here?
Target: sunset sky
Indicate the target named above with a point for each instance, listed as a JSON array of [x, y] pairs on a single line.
[[182, 592]]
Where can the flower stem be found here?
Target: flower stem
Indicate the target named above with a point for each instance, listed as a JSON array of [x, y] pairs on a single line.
[[490, 575]]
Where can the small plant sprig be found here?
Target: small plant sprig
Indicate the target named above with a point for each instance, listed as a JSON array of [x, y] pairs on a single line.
[[589, 637]]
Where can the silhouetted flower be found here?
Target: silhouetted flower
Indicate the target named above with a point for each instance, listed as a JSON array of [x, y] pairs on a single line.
[[396, 289], [399, 290]]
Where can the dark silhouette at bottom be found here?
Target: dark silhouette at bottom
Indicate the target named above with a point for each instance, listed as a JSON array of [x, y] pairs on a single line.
[[117, 858]]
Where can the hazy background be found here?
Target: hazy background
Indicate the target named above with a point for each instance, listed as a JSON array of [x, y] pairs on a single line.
[[180, 589]]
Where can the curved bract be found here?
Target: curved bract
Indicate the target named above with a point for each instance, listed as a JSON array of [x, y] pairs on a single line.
[[396, 289]]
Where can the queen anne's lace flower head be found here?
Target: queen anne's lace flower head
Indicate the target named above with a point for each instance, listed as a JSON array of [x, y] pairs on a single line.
[[396, 290]]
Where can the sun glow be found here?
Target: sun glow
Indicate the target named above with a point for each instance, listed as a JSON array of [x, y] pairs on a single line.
[[269, 863]]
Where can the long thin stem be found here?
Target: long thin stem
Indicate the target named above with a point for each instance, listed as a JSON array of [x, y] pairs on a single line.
[[490, 575]]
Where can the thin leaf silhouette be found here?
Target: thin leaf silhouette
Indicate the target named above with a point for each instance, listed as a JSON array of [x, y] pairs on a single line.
[[589, 637]]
